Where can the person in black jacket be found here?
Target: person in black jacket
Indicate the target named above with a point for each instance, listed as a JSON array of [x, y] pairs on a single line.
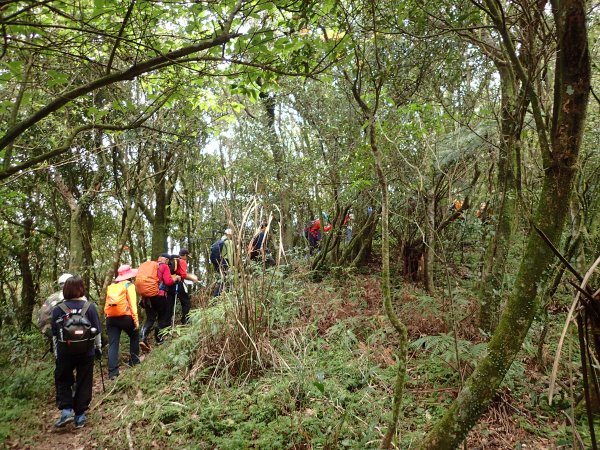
[[75, 355]]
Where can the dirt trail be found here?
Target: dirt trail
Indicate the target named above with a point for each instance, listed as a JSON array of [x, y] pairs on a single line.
[[48, 437]]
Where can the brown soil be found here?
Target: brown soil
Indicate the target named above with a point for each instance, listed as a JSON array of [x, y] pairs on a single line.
[[48, 437]]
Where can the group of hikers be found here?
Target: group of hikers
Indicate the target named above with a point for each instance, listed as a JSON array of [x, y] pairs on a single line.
[[72, 323], [312, 232]]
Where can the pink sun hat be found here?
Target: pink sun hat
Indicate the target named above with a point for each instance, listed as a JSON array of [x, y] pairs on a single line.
[[126, 272]]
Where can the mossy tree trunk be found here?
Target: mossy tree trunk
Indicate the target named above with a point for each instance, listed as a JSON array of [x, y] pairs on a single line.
[[571, 91], [370, 117], [28, 291], [81, 220], [494, 266]]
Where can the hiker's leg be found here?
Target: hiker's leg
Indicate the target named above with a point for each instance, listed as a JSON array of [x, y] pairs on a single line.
[[217, 290], [85, 381], [151, 317], [113, 329], [186, 305], [163, 315], [63, 380], [170, 305], [134, 340]]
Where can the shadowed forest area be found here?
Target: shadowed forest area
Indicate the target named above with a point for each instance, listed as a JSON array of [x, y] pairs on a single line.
[[383, 216]]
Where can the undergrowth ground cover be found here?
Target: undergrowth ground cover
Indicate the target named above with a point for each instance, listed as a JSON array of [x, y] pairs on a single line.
[[317, 372]]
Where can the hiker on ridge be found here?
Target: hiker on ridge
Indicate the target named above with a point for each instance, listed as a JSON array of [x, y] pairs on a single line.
[[120, 309], [221, 257], [157, 307], [182, 293]]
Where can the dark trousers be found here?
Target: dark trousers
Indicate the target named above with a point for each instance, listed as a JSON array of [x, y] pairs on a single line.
[[156, 311], [83, 365], [171, 295], [114, 326], [221, 270], [185, 301], [313, 242]]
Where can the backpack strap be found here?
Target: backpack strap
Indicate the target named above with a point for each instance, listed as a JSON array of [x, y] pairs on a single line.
[[85, 308], [64, 308], [127, 297]]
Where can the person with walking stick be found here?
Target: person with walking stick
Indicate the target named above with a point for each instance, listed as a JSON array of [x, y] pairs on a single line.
[[76, 334]]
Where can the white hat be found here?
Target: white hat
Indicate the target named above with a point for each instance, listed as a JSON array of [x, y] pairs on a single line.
[[228, 231], [64, 277]]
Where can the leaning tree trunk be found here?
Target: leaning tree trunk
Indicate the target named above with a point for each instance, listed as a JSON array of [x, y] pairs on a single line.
[[571, 91]]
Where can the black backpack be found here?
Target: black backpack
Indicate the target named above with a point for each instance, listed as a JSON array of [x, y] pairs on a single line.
[[75, 332], [173, 263]]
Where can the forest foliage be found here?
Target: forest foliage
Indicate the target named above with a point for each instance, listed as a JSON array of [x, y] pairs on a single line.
[[446, 130]]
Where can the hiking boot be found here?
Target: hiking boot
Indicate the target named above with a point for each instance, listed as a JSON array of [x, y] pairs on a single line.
[[80, 420], [66, 416]]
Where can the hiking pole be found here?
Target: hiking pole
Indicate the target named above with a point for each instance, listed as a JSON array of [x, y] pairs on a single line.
[[102, 374]]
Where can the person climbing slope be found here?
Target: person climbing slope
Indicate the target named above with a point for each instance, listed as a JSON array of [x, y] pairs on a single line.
[[121, 313]]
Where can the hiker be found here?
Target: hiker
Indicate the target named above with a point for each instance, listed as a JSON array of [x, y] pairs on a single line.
[[76, 332], [156, 306], [258, 245], [45, 312], [313, 234], [181, 289], [120, 309], [258, 249], [348, 220], [221, 257]]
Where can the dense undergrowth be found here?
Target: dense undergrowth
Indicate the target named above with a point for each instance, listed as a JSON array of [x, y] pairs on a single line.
[[313, 369]]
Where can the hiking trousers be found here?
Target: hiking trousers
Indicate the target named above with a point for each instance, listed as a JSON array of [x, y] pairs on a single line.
[[114, 326], [83, 365], [156, 311], [185, 301]]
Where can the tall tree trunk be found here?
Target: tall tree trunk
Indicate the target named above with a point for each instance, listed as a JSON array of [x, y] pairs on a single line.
[[494, 266], [25, 312], [429, 249], [159, 226], [75, 241], [571, 91], [279, 160]]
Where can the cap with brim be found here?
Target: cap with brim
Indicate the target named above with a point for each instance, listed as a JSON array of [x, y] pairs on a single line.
[[184, 252], [64, 277], [164, 255], [125, 272]]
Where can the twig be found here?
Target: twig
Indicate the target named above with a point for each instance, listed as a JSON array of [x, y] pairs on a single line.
[[565, 328], [575, 432], [128, 433], [557, 253]]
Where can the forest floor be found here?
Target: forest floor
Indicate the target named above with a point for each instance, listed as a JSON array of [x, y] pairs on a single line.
[[327, 358]]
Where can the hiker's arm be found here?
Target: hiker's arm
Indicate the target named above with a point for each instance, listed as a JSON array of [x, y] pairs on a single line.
[[95, 321], [165, 275], [191, 277], [132, 296]]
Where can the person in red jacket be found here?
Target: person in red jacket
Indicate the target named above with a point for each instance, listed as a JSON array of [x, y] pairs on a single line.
[[313, 234], [182, 293], [157, 308]]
